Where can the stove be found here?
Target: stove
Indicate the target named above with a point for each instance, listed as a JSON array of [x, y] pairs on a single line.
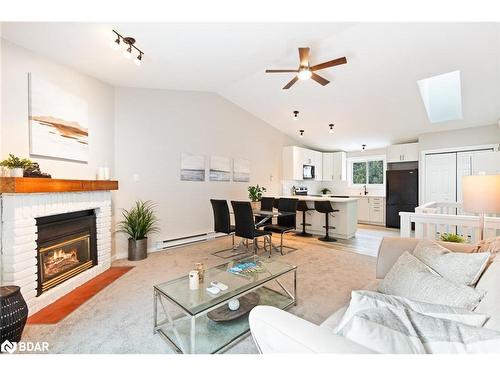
[[300, 190]]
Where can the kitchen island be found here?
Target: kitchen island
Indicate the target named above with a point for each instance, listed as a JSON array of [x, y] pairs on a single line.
[[345, 221]]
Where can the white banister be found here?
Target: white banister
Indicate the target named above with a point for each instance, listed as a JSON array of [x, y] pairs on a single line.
[[429, 225]]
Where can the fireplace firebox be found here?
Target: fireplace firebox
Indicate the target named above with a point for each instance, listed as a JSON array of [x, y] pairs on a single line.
[[66, 246]]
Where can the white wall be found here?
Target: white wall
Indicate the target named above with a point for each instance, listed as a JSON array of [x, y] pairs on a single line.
[[153, 128], [460, 138], [16, 63]]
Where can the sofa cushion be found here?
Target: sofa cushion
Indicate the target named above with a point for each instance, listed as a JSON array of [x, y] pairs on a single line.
[[404, 331], [412, 279], [460, 268], [363, 299]]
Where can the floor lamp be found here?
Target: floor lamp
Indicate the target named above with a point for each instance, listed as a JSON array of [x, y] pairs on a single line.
[[481, 195]]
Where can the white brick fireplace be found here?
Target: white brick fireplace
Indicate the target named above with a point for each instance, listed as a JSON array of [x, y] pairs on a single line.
[[18, 237]]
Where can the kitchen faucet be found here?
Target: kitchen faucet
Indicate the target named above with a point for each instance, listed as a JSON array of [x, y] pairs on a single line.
[[365, 191]]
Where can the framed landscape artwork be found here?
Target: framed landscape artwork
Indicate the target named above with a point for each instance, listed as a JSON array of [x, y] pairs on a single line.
[[220, 168], [192, 167], [241, 170], [58, 122]]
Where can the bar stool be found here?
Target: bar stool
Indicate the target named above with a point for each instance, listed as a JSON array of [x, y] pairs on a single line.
[[302, 206], [326, 208]]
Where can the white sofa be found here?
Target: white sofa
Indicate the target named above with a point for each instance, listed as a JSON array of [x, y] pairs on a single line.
[[277, 331]]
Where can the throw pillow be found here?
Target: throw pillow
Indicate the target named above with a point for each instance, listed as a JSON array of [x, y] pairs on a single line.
[[404, 331], [364, 299], [460, 268], [412, 279]]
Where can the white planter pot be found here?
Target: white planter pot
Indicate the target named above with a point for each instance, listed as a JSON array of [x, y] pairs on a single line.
[[16, 172]]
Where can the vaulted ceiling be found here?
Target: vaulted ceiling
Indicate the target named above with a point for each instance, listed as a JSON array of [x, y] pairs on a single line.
[[373, 99]]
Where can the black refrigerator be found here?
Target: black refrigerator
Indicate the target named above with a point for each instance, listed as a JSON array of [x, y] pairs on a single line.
[[401, 194]]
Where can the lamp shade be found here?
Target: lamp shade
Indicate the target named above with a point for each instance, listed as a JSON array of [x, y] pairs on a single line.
[[481, 194]]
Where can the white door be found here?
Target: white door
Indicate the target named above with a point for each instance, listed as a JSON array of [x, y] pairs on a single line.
[[440, 177]]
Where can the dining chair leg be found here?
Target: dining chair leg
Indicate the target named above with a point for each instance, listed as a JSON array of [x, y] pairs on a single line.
[[269, 242], [281, 244], [232, 235]]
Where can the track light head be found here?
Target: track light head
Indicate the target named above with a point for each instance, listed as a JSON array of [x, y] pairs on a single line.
[[116, 44], [128, 52], [138, 59]]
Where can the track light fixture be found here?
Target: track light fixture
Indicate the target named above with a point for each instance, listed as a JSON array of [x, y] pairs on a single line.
[[301, 133], [295, 115], [331, 128], [363, 148], [129, 44]]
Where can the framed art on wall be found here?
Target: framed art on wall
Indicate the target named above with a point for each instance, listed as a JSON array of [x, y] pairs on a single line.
[[192, 167], [241, 170], [220, 168], [58, 122]]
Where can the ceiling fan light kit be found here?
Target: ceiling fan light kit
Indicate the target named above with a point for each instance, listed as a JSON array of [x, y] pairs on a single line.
[[305, 71], [129, 44]]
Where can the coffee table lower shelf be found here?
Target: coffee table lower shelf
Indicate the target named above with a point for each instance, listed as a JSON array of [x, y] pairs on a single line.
[[214, 337]]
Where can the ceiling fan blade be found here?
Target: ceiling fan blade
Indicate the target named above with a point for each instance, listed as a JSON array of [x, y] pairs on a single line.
[[329, 64], [322, 81], [290, 84], [281, 70], [304, 56]]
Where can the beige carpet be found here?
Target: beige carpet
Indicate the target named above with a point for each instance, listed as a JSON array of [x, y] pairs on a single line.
[[119, 319]]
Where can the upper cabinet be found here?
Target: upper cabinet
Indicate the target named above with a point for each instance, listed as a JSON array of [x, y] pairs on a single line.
[[334, 166], [294, 159], [402, 153]]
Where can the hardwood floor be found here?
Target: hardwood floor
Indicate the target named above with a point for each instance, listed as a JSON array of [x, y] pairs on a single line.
[[366, 242]]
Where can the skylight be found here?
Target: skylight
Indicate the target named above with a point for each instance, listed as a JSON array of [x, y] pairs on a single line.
[[442, 97]]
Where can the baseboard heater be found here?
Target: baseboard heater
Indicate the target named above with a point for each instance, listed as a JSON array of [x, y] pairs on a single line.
[[188, 240]]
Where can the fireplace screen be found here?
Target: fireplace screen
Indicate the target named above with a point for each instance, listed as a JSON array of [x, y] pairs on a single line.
[[64, 259]]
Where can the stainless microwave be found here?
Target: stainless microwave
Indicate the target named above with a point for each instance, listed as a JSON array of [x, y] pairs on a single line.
[[308, 172]]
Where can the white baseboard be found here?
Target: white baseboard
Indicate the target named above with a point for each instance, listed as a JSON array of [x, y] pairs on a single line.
[[172, 244]]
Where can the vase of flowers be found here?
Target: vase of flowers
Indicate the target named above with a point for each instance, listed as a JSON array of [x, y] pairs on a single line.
[[138, 222]]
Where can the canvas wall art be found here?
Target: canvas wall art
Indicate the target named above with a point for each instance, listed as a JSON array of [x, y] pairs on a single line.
[[192, 167], [58, 122], [241, 170], [220, 168]]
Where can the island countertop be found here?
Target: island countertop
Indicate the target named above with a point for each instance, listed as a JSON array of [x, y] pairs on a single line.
[[322, 198]]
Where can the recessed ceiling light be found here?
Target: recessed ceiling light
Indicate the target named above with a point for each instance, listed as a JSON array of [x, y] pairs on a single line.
[[331, 128], [295, 115]]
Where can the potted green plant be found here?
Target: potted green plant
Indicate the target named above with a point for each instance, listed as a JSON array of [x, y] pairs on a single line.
[[452, 237], [138, 222], [255, 195], [325, 191], [16, 165]]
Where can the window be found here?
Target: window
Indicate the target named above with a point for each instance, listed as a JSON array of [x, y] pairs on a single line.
[[367, 172], [442, 97]]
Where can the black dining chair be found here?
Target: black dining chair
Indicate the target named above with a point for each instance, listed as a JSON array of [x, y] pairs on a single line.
[[245, 225], [326, 208], [222, 220], [286, 223], [266, 204]]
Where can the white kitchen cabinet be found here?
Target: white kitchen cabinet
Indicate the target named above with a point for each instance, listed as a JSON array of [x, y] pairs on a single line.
[[294, 159], [371, 210], [334, 166], [340, 166], [402, 153]]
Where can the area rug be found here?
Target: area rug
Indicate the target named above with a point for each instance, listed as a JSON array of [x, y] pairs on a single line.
[[60, 309]]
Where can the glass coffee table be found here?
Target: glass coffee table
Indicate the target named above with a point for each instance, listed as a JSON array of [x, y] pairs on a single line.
[[183, 312]]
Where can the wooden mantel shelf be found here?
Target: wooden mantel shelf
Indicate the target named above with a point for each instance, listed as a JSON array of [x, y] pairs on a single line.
[[26, 185]]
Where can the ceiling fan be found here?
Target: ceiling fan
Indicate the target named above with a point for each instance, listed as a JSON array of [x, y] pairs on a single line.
[[305, 71]]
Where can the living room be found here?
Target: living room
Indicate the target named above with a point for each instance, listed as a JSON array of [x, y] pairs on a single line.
[[273, 187]]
